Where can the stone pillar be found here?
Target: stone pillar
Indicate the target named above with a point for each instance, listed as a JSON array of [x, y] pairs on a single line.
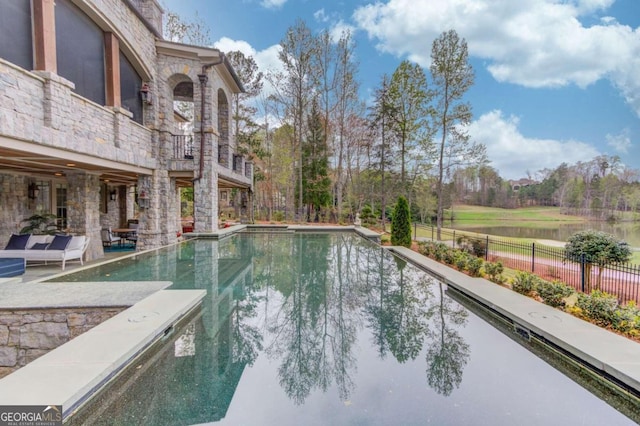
[[158, 202], [83, 210], [58, 103], [205, 187]]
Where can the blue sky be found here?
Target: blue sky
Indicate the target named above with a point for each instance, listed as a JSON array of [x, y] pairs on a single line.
[[556, 80]]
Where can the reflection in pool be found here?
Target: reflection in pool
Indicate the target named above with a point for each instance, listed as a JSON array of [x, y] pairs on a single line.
[[328, 328]]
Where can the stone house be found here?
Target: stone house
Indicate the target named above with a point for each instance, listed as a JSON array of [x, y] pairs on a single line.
[[88, 90]]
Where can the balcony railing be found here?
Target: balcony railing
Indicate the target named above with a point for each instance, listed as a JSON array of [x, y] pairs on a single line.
[[237, 163], [183, 147]]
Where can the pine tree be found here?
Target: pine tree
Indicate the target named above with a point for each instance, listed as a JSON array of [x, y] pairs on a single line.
[[401, 224]]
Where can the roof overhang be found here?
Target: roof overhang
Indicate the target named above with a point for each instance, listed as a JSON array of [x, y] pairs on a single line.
[[44, 161], [206, 56]]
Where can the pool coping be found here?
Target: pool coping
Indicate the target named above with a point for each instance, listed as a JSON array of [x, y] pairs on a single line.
[[71, 373], [602, 349], [226, 232]]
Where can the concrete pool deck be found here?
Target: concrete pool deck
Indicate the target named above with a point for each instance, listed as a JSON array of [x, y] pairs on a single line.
[[611, 353]]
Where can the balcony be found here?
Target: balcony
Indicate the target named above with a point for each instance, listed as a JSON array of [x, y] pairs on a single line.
[[182, 147]]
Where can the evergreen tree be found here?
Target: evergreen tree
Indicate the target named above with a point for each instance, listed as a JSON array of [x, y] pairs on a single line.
[[401, 224]]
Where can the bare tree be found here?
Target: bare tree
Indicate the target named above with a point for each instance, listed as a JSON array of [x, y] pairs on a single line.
[[452, 77]]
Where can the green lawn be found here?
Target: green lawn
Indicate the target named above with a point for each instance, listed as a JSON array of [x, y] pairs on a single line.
[[478, 216]]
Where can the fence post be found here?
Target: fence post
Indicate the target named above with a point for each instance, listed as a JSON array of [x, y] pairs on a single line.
[[415, 231], [582, 271], [431, 232], [486, 250], [533, 257], [454, 239]]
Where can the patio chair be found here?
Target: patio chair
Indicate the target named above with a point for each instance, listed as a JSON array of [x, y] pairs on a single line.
[[133, 235], [108, 238]]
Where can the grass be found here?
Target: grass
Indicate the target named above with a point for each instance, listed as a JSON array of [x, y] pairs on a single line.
[[522, 217]]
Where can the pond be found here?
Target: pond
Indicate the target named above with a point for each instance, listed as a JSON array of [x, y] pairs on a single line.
[[329, 329]]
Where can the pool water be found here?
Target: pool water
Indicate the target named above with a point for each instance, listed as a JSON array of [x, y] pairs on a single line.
[[328, 329]]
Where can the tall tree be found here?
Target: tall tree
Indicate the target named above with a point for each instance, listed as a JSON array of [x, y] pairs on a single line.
[[380, 116], [315, 165], [296, 55], [347, 108], [452, 76], [409, 96]]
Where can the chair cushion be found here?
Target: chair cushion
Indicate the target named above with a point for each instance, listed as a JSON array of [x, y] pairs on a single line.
[[18, 242], [40, 246], [60, 242]]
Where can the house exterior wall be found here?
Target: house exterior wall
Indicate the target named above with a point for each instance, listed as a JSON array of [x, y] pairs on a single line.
[[42, 109]]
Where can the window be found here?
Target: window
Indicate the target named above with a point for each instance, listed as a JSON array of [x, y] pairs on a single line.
[[130, 84], [16, 44], [80, 51]]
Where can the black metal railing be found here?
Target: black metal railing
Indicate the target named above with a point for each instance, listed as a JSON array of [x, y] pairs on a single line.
[[237, 162], [182, 147], [223, 155], [549, 263]]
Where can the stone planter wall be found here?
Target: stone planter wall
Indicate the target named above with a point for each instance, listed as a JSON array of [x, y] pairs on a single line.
[[27, 334]]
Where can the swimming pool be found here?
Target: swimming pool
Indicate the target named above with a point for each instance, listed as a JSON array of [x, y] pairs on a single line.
[[328, 328]]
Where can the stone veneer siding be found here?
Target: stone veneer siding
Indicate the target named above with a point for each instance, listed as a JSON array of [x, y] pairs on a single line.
[[28, 334]]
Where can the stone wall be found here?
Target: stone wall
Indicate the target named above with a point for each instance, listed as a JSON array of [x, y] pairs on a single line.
[[28, 334], [41, 107], [14, 202]]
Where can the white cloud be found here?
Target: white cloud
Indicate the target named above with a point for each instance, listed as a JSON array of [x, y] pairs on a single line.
[[320, 16], [534, 43], [621, 143], [339, 28], [513, 154], [266, 59], [272, 4]]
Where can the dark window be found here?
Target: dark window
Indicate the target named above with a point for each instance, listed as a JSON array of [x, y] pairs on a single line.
[[80, 51], [130, 84], [16, 45]]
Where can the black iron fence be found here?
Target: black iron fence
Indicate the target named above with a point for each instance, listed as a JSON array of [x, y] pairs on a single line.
[[549, 263]]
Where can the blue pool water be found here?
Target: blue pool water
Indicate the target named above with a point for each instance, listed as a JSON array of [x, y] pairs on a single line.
[[328, 329]]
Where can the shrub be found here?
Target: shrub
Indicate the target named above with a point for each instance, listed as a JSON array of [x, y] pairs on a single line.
[[474, 265], [598, 306], [460, 259], [554, 292], [525, 283], [426, 248], [494, 270], [278, 216], [626, 319], [440, 251], [401, 224], [449, 256], [475, 246]]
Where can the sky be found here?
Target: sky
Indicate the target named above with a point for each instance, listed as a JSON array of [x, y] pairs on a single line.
[[555, 80]]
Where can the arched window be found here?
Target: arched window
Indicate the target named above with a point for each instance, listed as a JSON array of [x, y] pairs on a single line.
[[80, 51], [16, 45], [223, 128]]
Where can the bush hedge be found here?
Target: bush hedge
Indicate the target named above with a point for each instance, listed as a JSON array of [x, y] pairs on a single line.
[[601, 308]]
